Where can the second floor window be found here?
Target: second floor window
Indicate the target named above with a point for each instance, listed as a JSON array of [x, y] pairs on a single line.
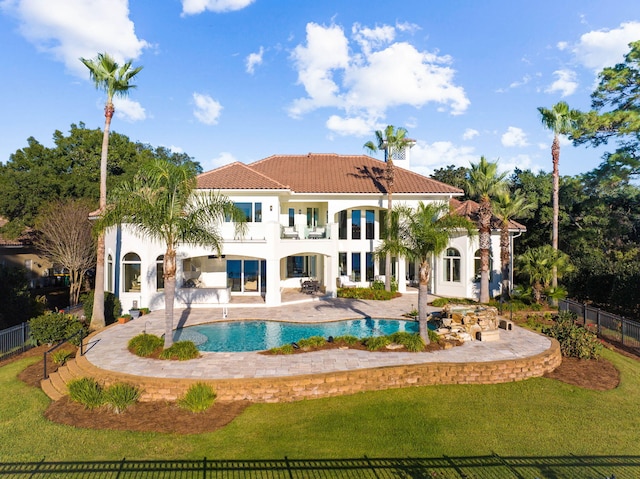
[[252, 211]]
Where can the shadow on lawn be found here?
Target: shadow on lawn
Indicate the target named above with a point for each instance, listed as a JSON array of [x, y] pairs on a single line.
[[493, 466]]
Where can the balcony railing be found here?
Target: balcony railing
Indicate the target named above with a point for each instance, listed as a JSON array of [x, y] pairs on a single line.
[[305, 232]]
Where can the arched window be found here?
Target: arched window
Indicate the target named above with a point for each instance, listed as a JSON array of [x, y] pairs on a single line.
[[110, 273], [132, 269], [160, 273], [477, 265], [452, 265]]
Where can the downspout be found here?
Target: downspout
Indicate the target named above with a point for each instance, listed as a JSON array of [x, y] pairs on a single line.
[[511, 260]]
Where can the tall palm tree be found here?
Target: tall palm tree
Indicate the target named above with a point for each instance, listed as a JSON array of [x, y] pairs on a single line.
[[539, 265], [393, 141], [115, 80], [418, 235], [483, 183], [160, 203], [561, 120], [507, 207]]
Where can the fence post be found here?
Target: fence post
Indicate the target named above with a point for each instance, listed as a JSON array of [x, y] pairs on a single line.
[[622, 321], [584, 314], [598, 320]]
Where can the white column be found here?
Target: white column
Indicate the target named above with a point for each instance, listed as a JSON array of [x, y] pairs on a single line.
[[272, 296]]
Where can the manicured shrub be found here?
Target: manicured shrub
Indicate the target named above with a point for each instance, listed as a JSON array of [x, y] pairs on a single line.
[[284, 349], [433, 336], [375, 343], [53, 327], [439, 302], [181, 350], [120, 396], [144, 345], [60, 356], [198, 398], [367, 293], [411, 341], [347, 339], [86, 391], [312, 342], [112, 307], [575, 341]]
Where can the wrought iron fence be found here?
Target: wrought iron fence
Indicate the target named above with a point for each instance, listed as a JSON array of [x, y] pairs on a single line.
[[608, 326], [14, 340], [478, 467]]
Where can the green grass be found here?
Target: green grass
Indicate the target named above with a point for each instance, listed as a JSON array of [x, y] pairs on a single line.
[[533, 417]]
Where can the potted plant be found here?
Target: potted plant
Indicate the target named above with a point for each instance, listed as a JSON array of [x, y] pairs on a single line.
[[124, 318], [144, 311], [134, 313]]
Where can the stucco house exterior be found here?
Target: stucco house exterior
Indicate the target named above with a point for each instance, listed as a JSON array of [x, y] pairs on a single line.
[[309, 217]]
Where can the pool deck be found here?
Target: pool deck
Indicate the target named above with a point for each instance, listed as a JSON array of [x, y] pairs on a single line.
[[108, 348]]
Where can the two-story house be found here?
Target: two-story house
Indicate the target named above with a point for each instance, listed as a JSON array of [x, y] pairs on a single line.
[[314, 216]]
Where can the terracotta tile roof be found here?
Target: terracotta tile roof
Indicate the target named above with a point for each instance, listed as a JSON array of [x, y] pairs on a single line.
[[470, 208], [321, 173], [237, 176], [25, 239]]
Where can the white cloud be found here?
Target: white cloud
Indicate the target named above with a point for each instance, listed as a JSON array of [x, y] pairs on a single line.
[[70, 29], [350, 126], [469, 134], [605, 48], [365, 82], [207, 109], [192, 7], [562, 45], [565, 83], [224, 158], [514, 137], [426, 158], [128, 109], [522, 162], [254, 59]]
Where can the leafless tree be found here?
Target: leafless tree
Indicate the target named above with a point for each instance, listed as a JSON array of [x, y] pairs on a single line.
[[64, 236]]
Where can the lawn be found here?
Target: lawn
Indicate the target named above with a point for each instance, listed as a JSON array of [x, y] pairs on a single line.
[[537, 417]]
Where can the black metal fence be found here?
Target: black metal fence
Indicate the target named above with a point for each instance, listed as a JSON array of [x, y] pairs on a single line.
[[608, 326], [478, 467], [14, 340]]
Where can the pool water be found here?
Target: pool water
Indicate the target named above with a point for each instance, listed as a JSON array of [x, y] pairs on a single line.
[[238, 336]]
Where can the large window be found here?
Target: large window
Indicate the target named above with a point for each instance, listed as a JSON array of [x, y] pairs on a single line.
[[132, 269], [110, 273], [160, 273], [342, 263], [342, 224], [369, 266], [312, 217], [370, 220], [252, 211], [356, 220], [452, 265], [292, 217], [301, 266], [355, 266]]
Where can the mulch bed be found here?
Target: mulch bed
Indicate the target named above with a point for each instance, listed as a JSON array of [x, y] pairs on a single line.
[[600, 375]]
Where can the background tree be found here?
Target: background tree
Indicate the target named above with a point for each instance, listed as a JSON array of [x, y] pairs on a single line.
[[16, 303], [615, 115], [483, 183], [506, 207], [452, 175], [64, 236], [161, 204], [115, 80], [561, 120], [418, 235], [393, 141]]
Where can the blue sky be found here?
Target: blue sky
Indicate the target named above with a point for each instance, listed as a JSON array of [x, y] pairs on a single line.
[[240, 80]]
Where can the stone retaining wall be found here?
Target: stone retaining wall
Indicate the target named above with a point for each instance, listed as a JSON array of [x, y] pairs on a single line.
[[296, 388]]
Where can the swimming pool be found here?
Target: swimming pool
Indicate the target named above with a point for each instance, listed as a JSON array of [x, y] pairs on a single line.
[[238, 336]]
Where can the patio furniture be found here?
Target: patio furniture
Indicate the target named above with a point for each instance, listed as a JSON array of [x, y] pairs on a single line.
[[316, 233], [310, 287], [289, 232], [345, 282]]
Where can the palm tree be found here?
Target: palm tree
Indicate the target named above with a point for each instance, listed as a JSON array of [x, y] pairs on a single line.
[[115, 80], [539, 265], [484, 182], [160, 203], [507, 207], [418, 235], [561, 120], [393, 141]]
